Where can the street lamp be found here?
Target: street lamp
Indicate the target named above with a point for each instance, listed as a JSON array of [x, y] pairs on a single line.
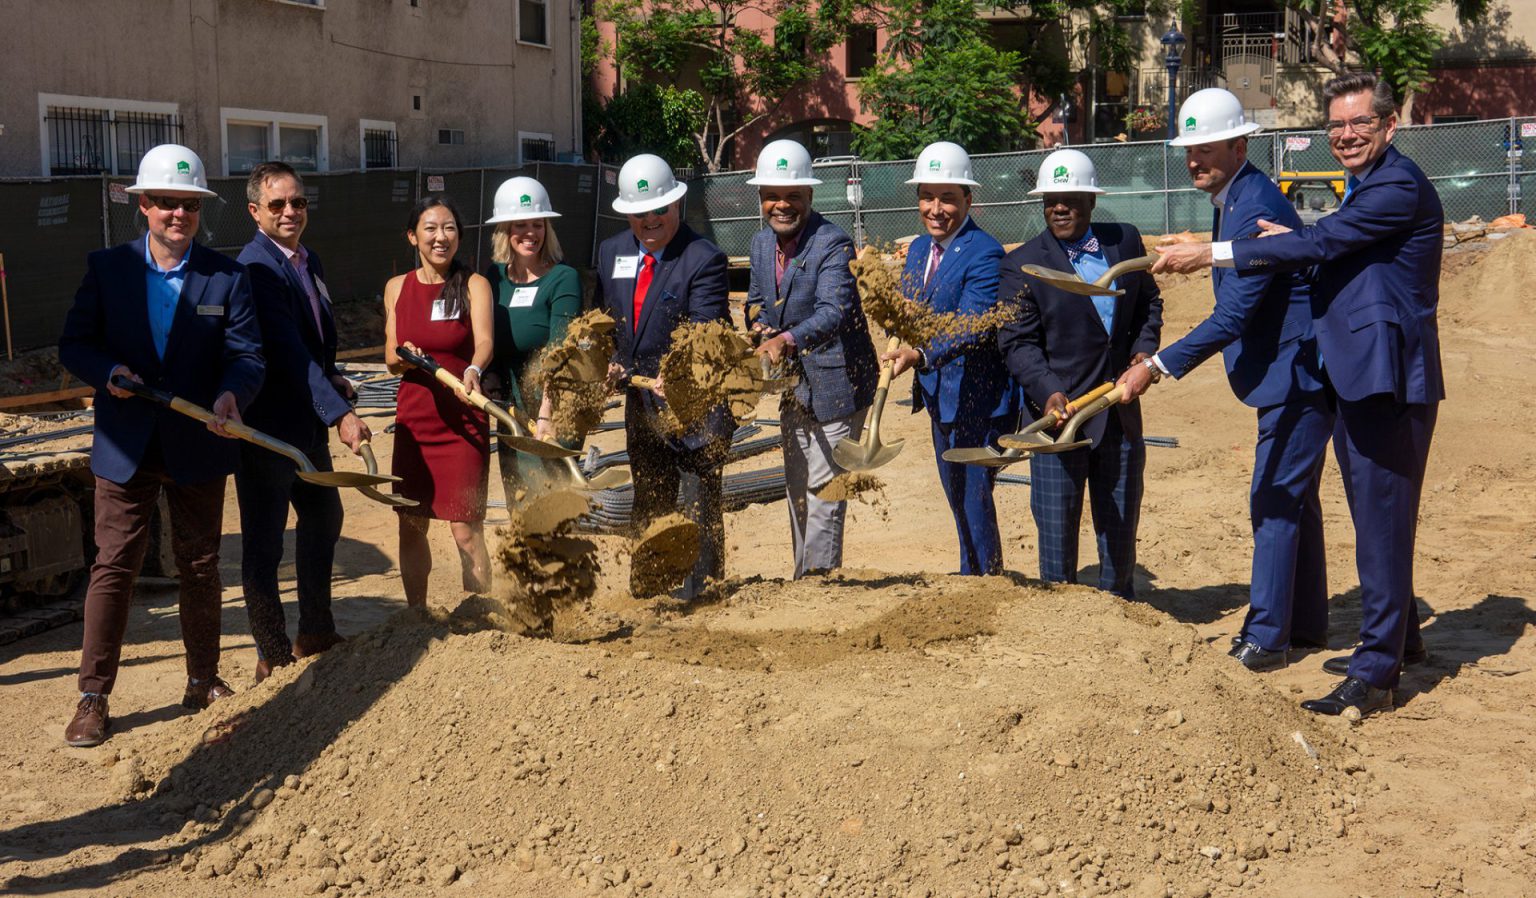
[[1174, 42]]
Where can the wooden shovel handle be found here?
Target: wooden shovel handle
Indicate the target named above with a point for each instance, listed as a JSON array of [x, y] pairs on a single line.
[[889, 367], [1126, 266]]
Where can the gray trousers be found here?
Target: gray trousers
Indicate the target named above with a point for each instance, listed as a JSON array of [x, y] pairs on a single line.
[[815, 526]]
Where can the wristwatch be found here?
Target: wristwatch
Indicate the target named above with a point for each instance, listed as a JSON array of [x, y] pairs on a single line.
[[1151, 366]]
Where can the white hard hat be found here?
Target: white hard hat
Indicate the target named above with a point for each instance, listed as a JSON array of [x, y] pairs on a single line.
[[171, 166], [1067, 171], [943, 163], [519, 199], [646, 182], [1210, 115], [783, 163]]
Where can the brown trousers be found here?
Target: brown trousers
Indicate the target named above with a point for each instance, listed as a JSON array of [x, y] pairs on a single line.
[[122, 534]]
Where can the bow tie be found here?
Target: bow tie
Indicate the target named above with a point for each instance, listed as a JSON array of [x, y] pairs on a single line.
[[1087, 246]]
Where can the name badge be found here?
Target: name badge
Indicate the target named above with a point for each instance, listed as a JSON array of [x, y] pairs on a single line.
[[324, 293], [211, 310], [625, 267], [440, 311], [522, 297]]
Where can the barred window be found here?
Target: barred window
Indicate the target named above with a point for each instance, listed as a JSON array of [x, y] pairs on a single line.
[[91, 141]]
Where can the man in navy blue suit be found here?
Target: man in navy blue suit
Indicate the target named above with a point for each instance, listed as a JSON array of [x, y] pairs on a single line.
[[1262, 325], [1065, 345], [1375, 295], [960, 379], [166, 312], [803, 301], [655, 276], [302, 397]]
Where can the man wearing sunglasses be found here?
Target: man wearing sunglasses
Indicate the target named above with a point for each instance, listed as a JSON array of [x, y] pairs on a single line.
[[654, 277], [1374, 298], [303, 396], [176, 316]]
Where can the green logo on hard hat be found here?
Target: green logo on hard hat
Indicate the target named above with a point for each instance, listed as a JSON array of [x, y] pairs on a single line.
[[933, 165], [642, 185], [1189, 124], [1060, 174], [783, 165], [525, 200], [183, 168]]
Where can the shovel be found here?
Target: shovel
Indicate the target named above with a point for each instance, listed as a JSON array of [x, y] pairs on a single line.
[[988, 457], [376, 495], [307, 471], [1067, 440], [867, 452], [1072, 283], [517, 435]]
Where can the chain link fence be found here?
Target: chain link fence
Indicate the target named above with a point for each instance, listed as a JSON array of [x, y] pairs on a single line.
[[1476, 166], [357, 219]]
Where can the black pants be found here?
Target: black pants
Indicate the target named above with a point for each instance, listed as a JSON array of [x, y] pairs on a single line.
[[668, 479], [266, 483]]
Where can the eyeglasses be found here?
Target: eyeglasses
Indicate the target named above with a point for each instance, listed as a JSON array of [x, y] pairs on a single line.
[[172, 203], [299, 204], [1363, 125]]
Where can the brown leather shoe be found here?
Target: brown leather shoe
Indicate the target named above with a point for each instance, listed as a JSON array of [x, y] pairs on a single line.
[[313, 644], [200, 695], [91, 722], [264, 667]]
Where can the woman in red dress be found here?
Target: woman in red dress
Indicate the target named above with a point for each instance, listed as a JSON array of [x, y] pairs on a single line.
[[442, 443]]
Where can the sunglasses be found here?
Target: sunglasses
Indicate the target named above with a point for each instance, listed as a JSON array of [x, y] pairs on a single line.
[[172, 203], [299, 204]]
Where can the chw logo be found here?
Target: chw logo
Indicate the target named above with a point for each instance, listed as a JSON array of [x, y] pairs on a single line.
[[183, 167], [525, 201], [642, 186], [1059, 176]]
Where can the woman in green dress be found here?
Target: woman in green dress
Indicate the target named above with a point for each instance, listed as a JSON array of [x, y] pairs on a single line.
[[536, 298]]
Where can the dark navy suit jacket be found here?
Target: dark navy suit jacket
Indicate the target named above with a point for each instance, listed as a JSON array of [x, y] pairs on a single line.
[[817, 302], [297, 403], [1263, 319], [213, 346], [689, 284], [1377, 284], [965, 375], [1059, 345]]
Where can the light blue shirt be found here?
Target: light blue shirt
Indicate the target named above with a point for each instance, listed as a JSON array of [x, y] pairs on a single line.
[[1350, 183], [1090, 267], [162, 290]]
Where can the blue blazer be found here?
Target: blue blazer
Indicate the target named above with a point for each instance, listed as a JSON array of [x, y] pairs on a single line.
[[297, 403], [1376, 288], [1059, 344], [689, 284], [816, 301], [965, 376], [214, 346], [1263, 319]]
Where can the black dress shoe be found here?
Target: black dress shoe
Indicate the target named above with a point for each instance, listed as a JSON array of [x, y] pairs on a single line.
[[1351, 693], [1252, 656], [1301, 642], [1411, 658]]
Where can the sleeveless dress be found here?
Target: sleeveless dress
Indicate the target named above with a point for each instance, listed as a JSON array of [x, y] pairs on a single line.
[[442, 446]]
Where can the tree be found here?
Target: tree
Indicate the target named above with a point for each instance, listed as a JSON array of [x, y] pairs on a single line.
[[939, 79], [717, 74], [1392, 37]]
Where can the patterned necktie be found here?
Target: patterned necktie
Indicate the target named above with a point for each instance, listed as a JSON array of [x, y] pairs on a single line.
[[1087, 246], [642, 285], [933, 262]]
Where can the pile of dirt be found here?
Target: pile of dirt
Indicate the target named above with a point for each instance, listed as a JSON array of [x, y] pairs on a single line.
[[1066, 744], [886, 303], [708, 365], [575, 372], [1487, 284]]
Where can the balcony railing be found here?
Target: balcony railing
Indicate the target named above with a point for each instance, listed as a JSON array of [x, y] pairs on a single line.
[[1285, 37], [1151, 85]]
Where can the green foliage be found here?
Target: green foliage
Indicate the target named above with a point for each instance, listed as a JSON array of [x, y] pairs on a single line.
[[1397, 40], [721, 74], [649, 118], [940, 79]]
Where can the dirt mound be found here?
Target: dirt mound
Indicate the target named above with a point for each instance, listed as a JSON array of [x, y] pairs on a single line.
[[886, 303], [1067, 744], [1490, 283], [709, 365]]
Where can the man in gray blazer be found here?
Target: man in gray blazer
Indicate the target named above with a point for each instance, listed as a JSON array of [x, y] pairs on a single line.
[[803, 302]]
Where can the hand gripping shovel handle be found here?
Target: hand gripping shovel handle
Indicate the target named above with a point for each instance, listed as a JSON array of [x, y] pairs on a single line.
[[520, 438], [1081, 416], [198, 413]]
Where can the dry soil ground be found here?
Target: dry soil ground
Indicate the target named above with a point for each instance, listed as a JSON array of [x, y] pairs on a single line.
[[888, 731]]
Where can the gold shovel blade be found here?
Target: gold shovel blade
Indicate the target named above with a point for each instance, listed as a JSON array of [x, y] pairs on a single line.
[[343, 479], [1068, 281], [984, 456]]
